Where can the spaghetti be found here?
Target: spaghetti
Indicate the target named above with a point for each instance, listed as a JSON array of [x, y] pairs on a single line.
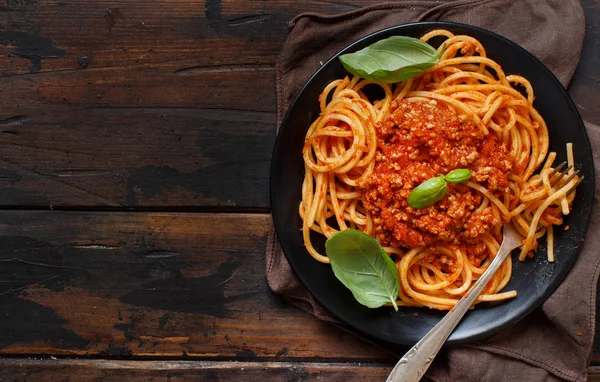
[[363, 158]]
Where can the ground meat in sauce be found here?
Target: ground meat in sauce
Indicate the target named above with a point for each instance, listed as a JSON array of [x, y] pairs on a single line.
[[419, 141]]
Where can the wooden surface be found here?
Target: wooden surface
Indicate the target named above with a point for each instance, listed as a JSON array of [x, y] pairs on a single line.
[[135, 141]]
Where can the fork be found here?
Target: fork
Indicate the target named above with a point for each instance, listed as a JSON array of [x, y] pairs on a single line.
[[417, 360]]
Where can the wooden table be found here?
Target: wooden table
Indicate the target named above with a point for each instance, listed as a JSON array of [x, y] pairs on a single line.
[[135, 141]]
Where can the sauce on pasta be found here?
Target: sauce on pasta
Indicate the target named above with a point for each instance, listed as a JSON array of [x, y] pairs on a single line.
[[420, 140]]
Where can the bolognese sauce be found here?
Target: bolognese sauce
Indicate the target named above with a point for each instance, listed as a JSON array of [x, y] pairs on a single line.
[[422, 139]]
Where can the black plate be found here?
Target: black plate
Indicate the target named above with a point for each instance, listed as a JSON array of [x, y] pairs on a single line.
[[534, 280]]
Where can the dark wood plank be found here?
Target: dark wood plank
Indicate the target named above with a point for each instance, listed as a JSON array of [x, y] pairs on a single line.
[[123, 157], [124, 96], [157, 105], [88, 370], [138, 104], [48, 36], [91, 370], [151, 284]]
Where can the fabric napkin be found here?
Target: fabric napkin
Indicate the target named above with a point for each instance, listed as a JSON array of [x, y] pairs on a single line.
[[554, 342]]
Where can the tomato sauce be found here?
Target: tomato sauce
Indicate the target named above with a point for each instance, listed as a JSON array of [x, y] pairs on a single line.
[[421, 140]]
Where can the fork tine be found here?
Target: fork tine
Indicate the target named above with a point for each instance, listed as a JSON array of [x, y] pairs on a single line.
[[575, 186], [557, 169], [562, 174], [566, 172], [554, 171]]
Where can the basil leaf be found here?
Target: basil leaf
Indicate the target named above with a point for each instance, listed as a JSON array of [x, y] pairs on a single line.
[[394, 59], [428, 192], [360, 263], [458, 176]]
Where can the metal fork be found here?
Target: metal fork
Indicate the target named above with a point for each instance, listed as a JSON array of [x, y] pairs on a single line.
[[417, 360]]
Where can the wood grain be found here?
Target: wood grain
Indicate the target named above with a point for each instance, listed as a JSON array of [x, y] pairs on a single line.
[[121, 157], [157, 105], [109, 33], [140, 104], [151, 284], [92, 370]]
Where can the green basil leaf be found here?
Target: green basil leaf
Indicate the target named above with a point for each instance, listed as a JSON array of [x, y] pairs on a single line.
[[360, 263], [458, 176], [428, 192], [394, 59]]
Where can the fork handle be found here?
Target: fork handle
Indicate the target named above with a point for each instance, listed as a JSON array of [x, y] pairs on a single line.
[[417, 360]]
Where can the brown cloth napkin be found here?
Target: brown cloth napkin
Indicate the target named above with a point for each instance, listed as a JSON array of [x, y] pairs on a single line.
[[554, 342]]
